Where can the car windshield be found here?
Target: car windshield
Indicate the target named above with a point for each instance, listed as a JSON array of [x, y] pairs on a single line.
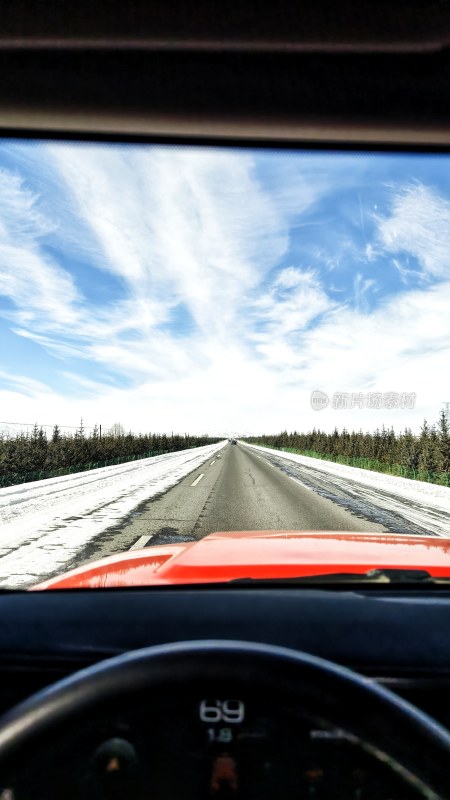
[[222, 364]]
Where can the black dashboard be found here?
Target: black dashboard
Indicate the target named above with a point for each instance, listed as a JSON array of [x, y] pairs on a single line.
[[394, 638], [382, 633]]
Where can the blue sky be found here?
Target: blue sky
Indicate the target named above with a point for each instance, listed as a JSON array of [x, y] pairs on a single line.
[[211, 290]]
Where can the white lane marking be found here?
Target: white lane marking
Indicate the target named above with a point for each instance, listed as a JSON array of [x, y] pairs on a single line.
[[197, 480], [212, 462], [141, 542]]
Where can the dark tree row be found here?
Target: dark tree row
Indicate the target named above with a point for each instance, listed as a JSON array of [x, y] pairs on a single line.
[[429, 451], [34, 451]]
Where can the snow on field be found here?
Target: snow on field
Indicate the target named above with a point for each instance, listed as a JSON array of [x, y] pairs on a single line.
[[44, 524], [426, 506]]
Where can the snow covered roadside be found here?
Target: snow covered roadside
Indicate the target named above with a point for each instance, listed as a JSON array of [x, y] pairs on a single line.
[[423, 504], [44, 524]]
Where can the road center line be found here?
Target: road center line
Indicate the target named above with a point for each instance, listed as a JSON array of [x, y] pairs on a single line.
[[197, 480], [141, 542], [212, 462]]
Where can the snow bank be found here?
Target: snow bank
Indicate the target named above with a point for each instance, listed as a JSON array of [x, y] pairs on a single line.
[[430, 494], [44, 524]]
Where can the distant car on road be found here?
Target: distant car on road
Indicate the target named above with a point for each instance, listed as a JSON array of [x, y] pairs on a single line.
[[233, 441]]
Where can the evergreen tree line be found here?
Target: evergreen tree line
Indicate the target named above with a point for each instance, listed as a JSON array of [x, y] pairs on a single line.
[[427, 452], [33, 455]]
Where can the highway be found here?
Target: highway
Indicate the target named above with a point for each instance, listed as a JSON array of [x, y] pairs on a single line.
[[240, 489], [48, 527]]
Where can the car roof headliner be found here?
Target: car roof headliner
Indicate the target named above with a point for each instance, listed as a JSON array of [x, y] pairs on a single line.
[[366, 72]]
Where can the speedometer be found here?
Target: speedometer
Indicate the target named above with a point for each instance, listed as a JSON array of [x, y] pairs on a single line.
[[223, 745]]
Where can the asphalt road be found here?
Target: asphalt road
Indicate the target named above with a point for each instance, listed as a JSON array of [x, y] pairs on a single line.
[[241, 489]]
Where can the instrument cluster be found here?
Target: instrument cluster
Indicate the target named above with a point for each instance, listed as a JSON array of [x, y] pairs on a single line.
[[202, 748]]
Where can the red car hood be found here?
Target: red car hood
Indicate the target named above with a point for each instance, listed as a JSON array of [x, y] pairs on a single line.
[[260, 554]]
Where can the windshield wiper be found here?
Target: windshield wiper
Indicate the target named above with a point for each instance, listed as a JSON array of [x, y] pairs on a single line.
[[371, 576]]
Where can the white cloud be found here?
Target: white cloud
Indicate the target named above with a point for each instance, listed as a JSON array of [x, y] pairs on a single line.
[[19, 210], [419, 224], [361, 288], [404, 345], [199, 230], [36, 285], [193, 228], [24, 384], [294, 299], [175, 226], [370, 252], [406, 274]]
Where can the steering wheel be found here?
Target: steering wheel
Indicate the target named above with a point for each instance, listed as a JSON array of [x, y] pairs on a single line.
[[415, 745]]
